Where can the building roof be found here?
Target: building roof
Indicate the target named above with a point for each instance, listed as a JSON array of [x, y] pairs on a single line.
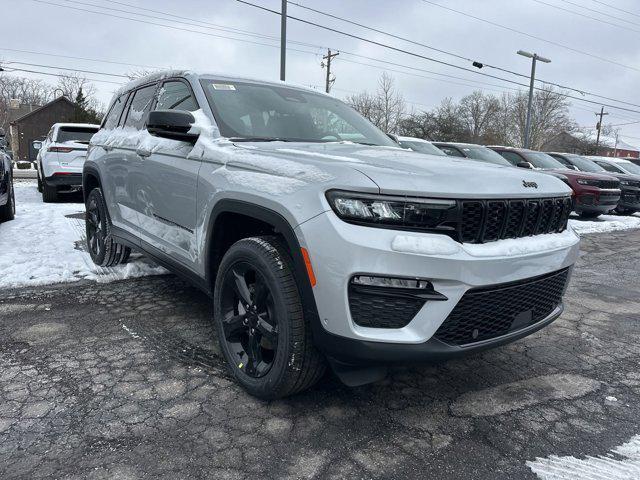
[[46, 105]]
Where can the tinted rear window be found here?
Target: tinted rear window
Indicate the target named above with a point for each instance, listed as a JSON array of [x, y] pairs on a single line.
[[75, 134]]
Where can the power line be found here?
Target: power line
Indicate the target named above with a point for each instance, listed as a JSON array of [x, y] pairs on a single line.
[[172, 27], [616, 8], [407, 52], [346, 20], [600, 12], [558, 7], [190, 22], [71, 69], [520, 32], [48, 54], [60, 75], [302, 43]]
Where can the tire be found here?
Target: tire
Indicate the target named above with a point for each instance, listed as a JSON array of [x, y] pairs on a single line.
[[589, 214], [271, 354], [8, 210], [49, 193], [39, 179], [104, 251]]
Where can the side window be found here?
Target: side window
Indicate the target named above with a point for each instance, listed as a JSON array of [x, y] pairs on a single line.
[[451, 151], [512, 157], [139, 107], [175, 95], [609, 168], [563, 160], [111, 120]]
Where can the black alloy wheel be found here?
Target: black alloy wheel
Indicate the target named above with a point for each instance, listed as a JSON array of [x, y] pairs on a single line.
[[95, 228], [250, 327]]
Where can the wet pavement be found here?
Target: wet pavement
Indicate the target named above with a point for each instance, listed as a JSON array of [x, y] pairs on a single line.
[[123, 380]]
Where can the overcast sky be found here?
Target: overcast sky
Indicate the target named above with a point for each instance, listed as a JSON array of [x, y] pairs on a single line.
[[51, 27]]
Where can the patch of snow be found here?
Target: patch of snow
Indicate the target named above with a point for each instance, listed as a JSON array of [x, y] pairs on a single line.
[[523, 246], [39, 246], [622, 463], [606, 223], [611, 399], [432, 244], [319, 155], [425, 245], [263, 182]]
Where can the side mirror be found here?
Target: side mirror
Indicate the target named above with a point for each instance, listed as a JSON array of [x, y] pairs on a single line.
[[524, 164], [173, 124], [37, 145]]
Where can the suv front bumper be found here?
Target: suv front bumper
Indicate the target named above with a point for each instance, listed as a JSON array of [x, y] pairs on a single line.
[[339, 251]]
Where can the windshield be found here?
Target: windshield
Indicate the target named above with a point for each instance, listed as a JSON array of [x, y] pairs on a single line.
[[485, 155], [629, 167], [422, 147], [586, 165], [542, 160], [75, 134], [261, 112]]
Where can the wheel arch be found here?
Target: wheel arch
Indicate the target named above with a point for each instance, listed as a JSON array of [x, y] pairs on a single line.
[[214, 246], [90, 180]]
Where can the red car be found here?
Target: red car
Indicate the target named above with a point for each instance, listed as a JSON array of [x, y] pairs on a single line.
[[593, 193]]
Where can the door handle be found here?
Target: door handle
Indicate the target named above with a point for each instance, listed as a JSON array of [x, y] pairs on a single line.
[[143, 152], [107, 148]]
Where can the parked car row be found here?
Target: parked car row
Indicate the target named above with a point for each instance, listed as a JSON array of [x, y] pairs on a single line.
[[599, 184], [321, 243]]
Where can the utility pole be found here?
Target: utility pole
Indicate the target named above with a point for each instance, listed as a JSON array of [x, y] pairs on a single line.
[[534, 57], [599, 126], [283, 40], [328, 82]]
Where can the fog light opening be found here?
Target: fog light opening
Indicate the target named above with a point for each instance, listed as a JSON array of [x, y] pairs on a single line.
[[392, 282]]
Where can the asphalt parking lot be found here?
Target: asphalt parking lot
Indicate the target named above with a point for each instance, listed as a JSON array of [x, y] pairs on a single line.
[[122, 380]]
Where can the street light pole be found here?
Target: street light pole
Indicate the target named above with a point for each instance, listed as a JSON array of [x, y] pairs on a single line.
[[534, 57]]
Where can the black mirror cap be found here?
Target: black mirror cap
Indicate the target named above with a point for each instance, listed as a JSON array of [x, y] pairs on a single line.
[[173, 124], [524, 165]]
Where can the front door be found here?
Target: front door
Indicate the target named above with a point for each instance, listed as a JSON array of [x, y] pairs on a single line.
[[167, 192]]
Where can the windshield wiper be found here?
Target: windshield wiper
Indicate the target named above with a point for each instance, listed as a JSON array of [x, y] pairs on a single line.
[[258, 139]]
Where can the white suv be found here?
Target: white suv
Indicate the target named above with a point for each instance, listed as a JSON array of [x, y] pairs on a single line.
[[318, 238], [61, 158]]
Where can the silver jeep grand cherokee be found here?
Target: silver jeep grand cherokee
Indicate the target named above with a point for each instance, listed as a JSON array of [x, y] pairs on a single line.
[[320, 241]]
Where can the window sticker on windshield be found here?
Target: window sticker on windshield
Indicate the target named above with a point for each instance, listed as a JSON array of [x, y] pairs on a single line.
[[223, 86]]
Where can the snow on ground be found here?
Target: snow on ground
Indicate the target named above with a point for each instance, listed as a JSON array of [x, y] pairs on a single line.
[[606, 223], [623, 463], [43, 246]]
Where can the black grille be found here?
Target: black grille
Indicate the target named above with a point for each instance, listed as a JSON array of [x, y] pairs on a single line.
[[609, 184], [489, 220], [490, 312], [382, 311], [609, 199]]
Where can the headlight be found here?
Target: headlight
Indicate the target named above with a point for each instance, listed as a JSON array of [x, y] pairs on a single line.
[[625, 182], [394, 212], [584, 181]]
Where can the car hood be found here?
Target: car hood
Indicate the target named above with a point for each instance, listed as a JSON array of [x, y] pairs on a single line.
[[574, 174], [397, 171]]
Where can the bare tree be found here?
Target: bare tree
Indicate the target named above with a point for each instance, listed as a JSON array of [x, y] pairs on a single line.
[[386, 108], [72, 84], [391, 103], [477, 112], [549, 116]]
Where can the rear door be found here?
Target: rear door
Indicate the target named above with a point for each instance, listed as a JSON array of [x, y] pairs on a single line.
[[167, 195]]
